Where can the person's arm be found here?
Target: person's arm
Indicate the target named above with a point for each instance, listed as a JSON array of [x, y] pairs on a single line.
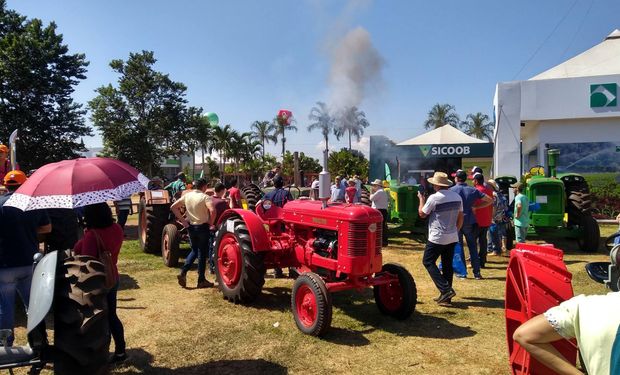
[[519, 208], [536, 336], [484, 201], [44, 229], [176, 210], [212, 212], [459, 220], [422, 203]]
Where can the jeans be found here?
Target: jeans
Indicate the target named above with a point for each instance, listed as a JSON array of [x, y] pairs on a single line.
[[520, 233], [443, 278], [211, 253], [495, 239], [13, 279], [470, 232], [199, 242], [122, 217], [482, 245], [116, 326], [384, 233]]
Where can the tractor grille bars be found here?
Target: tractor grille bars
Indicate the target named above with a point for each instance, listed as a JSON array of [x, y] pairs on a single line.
[[358, 239]]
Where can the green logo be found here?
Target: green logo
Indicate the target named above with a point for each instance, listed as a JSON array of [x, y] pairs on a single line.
[[425, 150], [603, 95]]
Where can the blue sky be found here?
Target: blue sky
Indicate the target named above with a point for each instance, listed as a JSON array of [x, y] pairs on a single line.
[[246, 59]]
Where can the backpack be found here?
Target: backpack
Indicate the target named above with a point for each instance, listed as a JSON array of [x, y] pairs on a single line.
[[105, 257]]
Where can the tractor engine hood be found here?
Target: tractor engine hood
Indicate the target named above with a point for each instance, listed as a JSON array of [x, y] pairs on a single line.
[[305, 209]]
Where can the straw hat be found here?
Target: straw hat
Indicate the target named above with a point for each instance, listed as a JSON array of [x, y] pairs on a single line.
[[377, 182], [493, 184], [440, 179]]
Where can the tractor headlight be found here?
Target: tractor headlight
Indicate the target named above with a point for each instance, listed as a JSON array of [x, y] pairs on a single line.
[[266, 204]]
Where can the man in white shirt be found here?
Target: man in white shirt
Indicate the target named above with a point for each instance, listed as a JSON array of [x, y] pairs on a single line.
[[379, 200], [445, 211]]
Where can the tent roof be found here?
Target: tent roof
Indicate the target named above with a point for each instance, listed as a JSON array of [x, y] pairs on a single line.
[[602, 59], [445, 135]]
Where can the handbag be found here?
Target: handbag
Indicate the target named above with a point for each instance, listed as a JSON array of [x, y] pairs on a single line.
[[458, 265], [105, 257]]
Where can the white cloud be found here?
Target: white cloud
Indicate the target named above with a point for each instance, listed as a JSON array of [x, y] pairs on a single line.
[[363, 145], [320, 146]]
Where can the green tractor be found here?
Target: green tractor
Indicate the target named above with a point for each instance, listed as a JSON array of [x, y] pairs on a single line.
[[562, 205]]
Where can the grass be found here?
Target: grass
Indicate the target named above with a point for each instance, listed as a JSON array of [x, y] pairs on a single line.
[[170, 330]]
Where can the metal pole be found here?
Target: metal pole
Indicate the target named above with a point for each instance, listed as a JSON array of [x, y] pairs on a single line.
[[13, 144]]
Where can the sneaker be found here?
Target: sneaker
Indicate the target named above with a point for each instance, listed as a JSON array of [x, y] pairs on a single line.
[[182, 280], [478, 277], [460, 276], [204, 284], [446, 296], [447, 303], [117, 358]]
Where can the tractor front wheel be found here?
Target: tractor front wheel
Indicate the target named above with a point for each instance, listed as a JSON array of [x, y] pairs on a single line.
[[311, 304], [590, 236], [170, 240], [240, 272], [398, 297]]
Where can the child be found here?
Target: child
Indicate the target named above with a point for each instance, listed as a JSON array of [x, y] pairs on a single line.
[[351, 192]]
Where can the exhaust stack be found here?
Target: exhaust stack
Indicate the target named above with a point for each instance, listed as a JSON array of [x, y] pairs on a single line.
[[324, 182], [13, 145]]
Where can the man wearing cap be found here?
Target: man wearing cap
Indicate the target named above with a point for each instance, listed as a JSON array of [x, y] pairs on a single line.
[[279, 196], [521, 213], [18, 244], [379, 201], [484, 216], [177, 186], [445, 211], [498, 227], [469, 230]]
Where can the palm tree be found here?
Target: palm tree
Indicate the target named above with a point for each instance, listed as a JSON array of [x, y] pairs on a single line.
[[264, 132], [352, 121], [222, 139], [478, 125], [323, 121], [440, 115], [280, 128]]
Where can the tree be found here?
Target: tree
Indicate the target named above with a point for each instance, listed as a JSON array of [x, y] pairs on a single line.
[[351, 121], [440, 115], [203, 135], [280, 128], [222, 138], [348, 163], [478, 125], [37, 78], [264, 132], [306, 164], [323, 121], [145, 118]]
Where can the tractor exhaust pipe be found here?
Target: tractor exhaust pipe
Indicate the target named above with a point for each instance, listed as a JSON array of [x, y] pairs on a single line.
[[324, 182], [13, 145], [552, 161]]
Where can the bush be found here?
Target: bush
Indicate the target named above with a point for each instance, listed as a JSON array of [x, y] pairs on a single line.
[[606, 193]]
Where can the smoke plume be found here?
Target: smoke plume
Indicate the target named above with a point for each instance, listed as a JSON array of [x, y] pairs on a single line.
[[356, 68]]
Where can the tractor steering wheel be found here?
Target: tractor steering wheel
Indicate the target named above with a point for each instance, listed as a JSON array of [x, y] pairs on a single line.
[[296, 187]]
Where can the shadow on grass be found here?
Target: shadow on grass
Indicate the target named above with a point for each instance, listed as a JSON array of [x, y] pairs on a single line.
[[273, 298], [127, 282], [467, 302], [348, 337], [140, 362]]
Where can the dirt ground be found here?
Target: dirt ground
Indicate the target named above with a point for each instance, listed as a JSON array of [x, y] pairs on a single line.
[[170, 330]]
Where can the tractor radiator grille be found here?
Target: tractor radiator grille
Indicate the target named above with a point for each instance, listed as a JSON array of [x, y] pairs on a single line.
[[378, 239], [358, 239]]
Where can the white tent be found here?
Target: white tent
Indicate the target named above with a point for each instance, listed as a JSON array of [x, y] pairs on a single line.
[[602, 59], [445, 135]]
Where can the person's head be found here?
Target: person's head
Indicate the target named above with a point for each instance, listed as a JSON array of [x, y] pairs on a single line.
[[351, 182], [98, 215], [277, 168], [4, 152], [376, 185], [181, 176], [475, 170], [478, 179], [460, 176], [233, 183], [14, 179], [517, 188], [200, 184], [440, 181], [278, 182], [220, 190], [493, 184]]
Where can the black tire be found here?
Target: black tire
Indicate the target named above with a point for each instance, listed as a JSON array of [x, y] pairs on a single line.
[[365, 196], [591, 234], [170, 242], [250, 276], [81, 331], [151, 222], [403, 308], [252, 194], [311, 285]]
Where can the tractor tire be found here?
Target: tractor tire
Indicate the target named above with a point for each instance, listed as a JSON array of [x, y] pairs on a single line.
[[365, 196], [81, 331], [251, 198], [311, 304], [239, 271], [151, 222], [591, 235], [396, 299], [170, 243]]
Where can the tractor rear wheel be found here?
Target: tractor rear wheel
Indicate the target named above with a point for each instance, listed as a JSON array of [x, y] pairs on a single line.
[[311, 304], [81, 331], [591, 234], [365, 196], [252, 194], [399, 297], [170, 241], [240, 272], [151, 222]]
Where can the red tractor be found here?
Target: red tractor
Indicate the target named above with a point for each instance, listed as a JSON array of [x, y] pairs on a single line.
[[332, 247]]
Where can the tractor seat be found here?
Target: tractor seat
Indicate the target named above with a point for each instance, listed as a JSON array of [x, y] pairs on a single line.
[[598, 271], [15, 354]]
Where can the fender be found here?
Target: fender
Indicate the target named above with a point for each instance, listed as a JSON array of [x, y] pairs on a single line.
[[42, 289], [256, 226]]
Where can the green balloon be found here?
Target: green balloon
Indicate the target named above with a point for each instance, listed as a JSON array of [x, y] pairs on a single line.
[[213, 119]]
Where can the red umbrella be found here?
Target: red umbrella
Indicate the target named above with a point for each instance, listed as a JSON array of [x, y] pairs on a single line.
[[77, 183]]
